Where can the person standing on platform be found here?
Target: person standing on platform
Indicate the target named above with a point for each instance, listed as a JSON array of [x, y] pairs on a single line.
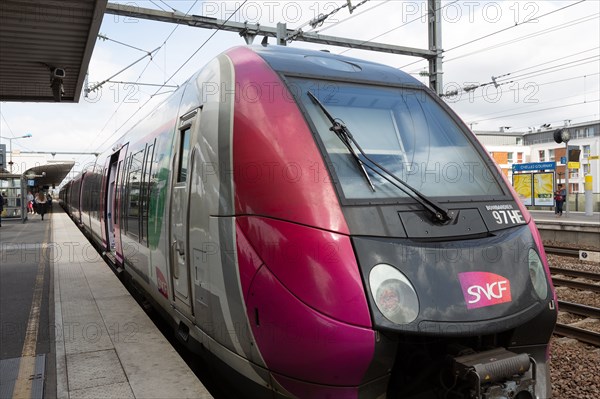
[[560, 196], [41, 204]]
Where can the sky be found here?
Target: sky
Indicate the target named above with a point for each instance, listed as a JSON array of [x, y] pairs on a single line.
[[543, 55]]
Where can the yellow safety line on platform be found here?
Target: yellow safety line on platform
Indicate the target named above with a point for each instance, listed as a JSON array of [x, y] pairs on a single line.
[[24, 380]]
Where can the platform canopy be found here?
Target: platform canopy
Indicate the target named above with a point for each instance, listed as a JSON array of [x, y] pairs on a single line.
[[50, 174], [46, 47]]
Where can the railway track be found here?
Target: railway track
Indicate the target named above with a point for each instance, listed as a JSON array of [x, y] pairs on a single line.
[[573, 253], [580, 334], [582, 285], [575, 273], [573, 279], [575, 331]]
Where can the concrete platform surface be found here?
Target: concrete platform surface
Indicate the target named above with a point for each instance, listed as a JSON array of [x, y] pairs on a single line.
[[105, 346], [572, 218], [109, 346]]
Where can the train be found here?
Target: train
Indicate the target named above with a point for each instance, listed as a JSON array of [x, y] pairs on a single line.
[[321, 226]]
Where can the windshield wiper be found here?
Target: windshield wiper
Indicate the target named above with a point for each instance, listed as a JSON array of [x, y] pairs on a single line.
[[440, 213], [345, 137]]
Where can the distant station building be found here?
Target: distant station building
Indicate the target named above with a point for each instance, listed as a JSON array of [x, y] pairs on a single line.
[[538, 145]]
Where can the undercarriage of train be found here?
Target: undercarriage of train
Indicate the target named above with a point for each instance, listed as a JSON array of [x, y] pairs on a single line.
[[472, 368]]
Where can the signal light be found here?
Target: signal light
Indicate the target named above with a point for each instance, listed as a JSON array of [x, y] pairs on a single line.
[[561, 136]]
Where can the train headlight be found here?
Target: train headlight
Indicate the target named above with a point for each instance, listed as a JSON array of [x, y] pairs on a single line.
[[537, 274], [394, 295]]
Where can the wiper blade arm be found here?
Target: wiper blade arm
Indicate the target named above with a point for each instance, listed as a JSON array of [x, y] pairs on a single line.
[[439, 212], [342, 132]]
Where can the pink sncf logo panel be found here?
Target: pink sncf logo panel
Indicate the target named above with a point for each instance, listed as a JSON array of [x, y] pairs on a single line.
[[482, 289]]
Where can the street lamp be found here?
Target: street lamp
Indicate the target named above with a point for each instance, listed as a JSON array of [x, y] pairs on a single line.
[[10, 139]]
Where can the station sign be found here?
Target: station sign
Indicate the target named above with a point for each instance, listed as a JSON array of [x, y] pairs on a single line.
[[534, 166], [563, 160]]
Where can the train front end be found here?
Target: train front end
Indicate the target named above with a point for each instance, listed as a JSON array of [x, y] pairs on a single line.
[[381, 252]]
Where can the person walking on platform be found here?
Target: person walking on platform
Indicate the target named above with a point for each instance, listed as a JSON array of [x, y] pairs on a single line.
[[30, 202], [41, 204], [560, 196]]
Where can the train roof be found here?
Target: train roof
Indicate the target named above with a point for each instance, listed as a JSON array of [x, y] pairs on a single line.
[[297, 61]]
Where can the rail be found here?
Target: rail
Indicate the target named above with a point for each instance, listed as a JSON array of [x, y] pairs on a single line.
[[574, 253], [578, 309], [575, 273], [576, 284], [587, 336], [571, 331]]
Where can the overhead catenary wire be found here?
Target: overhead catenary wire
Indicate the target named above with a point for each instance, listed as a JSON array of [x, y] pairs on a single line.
[[177, 71], [561, 67], [556, 59], [98, 85], [319, 20], [501, 30], [566, 25], [157, 5], [562, 98], [11, 132], [502, 79], [143, 84], [169, 6], [535, 111], [350, 17], [7, 125], [106, 38], [514, 26], [139, 77], [553, 122], [470, 98], [399, 26]]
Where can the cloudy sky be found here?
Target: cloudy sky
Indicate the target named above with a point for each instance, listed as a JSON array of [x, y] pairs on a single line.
[[543, 55]]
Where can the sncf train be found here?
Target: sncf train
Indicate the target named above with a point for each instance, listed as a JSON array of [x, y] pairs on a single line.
[[326, 227]]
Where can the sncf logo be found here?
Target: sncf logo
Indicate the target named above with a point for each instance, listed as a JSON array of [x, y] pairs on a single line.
[[484, 289]]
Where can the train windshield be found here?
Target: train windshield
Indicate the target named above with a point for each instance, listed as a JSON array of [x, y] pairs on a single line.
[[405, 131]]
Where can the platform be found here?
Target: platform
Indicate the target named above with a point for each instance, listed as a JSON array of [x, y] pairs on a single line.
[[576, 229], [101, 343]]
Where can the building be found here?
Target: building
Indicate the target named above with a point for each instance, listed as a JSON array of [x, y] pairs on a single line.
[[538, 145]]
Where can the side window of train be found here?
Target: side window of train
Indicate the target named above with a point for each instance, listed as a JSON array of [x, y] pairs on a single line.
[[134, 190], [125, 200], [184, 152], [146, 191]]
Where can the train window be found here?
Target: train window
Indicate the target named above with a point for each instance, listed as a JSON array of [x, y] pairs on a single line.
[[146, 187], [184, 152], [115, 198], [134, 189], [124, 167], [404, 130]]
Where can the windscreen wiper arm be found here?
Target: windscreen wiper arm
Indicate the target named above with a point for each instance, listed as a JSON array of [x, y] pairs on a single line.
[[440, 213], [342, 133]]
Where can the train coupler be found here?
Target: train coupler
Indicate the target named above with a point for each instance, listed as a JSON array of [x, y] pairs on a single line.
[[497, 374]]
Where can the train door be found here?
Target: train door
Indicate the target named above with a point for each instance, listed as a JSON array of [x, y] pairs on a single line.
[[113, 199], [179, 217]]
